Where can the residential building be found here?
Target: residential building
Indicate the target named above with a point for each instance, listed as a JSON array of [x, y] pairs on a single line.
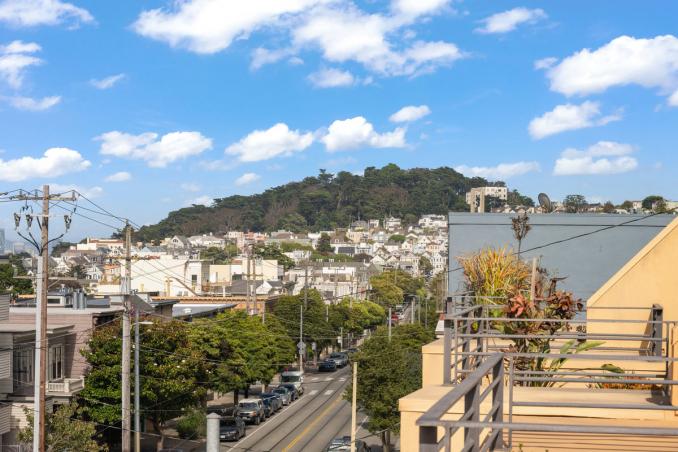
[[476, 196], [433, 221], [392, 224]]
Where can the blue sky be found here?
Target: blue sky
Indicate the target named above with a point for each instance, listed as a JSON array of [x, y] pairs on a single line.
[[151, 105]]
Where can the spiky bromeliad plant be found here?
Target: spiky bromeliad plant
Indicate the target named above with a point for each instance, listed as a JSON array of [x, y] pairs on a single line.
[[499, 277]]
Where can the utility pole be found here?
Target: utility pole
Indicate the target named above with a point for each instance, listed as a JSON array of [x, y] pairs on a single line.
[[389, 323], [301, 338], [42, 287], [249, 288], [126, 343], [354, 405]]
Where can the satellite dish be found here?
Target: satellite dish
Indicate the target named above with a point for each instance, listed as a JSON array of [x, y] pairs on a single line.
[[545, 202]]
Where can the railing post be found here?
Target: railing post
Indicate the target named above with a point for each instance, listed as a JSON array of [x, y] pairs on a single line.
[[467, 328], [472, 402], [498, 398], [657, 328], [428, 439], [447, 351]]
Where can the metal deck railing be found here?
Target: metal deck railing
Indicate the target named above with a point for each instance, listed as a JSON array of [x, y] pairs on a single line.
[[480, 365]]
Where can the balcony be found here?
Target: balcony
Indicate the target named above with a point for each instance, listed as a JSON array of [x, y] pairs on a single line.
[[619, 395], [67, 386]]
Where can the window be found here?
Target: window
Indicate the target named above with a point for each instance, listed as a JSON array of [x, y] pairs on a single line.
[[56, 362], [23, 365]]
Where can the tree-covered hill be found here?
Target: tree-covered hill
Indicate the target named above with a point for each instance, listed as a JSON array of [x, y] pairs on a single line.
[[327, 201]]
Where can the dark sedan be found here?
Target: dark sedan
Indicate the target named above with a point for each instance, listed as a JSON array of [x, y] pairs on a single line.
[[329, 365], [231, 429], [275, 400]]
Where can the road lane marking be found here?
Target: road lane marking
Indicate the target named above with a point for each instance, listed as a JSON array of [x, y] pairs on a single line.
[[310, 426], [314, 379], [329, 392], [314, 392], [329, 379], [342, 379]]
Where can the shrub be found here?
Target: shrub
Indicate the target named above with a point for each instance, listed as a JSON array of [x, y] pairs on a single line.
[[192, 425]]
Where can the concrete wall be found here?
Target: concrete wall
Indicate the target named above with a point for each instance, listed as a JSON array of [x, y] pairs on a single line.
[[587, 261]]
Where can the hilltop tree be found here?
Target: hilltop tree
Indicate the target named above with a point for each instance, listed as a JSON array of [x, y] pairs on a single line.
[[649, 201], [608, 207], [324, 244], [273, 251]]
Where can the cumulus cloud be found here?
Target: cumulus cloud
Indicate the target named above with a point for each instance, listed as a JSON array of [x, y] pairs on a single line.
[[331, 78], [340, 30], [90, 192], [209, 26], [53, 163], [410, 113], [651, 63], [569, 117], [247, 178], [604, 157], [31, 104], [157, 152], [106, 82], [545, 63], [357, 132], [277, 141], [15, 58], [499, 172], [30, 13], [121, 176], [509, 20]]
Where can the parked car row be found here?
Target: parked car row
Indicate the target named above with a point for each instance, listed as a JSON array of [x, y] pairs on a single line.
[[256, 410]]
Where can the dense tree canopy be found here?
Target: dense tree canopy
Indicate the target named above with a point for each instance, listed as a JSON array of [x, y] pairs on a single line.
[[328, 201], [8, 283]]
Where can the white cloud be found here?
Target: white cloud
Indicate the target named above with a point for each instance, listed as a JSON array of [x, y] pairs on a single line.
[[357, 132], [200, 201], [651, 63], [209, 26], [499, 172], [30, 13], [569, 117], [107, 82], [54, 162], [604, 157], [30, 104], [90, 192], [158, 153], [673, 100], [418, 7], [15, 58], [121, 176], [277, 141], [410, 113], [509, 20], [262, 56], [247, 178], [545, 63], [331, 78], [190, 186]]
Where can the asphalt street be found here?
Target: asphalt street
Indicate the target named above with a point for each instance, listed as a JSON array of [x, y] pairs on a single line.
[[308, 424]]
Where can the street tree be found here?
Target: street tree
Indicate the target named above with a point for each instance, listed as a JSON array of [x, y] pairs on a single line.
[[574, 203], [387, 371], [608, 207], [65, 431], [425, 266], [316, 328], [649, 201], [172, 371], [385, 291]]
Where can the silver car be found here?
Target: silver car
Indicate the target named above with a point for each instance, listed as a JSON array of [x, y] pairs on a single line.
[[284, 394]]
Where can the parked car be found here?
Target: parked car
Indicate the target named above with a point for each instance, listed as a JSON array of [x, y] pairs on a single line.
[[340, 358], [351, 351], [294, 395], [231, 429], [274, 399], [269, 409], [296, 377], [328, 365], [344, 443], [251, 410], [284, 394]]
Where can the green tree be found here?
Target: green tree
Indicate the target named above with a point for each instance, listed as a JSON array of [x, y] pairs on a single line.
[[574, 203], [397, 238], [324, 245], [354, 316], [425, 265], [649, 201], [385, 291], [60, 247], [515, 199], [77, 271], [627, 205], [294, 222], [387, 371], [273, 251], [660, 206], [608, 207], [216, 255], [172, 370], [316, 328], [493, 202], [8, 283], [64, 431]]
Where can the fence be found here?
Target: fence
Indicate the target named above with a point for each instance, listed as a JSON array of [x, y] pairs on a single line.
[[479, 360]]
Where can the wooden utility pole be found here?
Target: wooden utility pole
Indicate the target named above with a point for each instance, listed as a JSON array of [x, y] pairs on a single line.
[[126, 342], [354, 405]]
